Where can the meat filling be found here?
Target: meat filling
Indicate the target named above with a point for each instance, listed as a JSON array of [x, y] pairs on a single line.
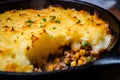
[[73, 55]]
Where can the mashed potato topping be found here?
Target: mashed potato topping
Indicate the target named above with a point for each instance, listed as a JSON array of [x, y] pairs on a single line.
[[29, 36]]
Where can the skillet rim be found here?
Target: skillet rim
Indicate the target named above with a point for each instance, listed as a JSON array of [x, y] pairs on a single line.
[[72, 68]]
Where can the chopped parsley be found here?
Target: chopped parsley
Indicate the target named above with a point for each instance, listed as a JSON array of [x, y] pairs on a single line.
[[53, 18], [22, 33], [54, 28], [38, 15], [57, 21], [29, 21], [44, 19], [78, 21], [41, 26]]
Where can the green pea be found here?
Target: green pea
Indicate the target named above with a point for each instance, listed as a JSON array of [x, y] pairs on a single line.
[[84, 43]]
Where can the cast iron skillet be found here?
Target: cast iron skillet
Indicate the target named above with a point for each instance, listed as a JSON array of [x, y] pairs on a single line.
[[110, 57]]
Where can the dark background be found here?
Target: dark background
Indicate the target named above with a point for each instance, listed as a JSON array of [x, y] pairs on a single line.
[[118, 4]]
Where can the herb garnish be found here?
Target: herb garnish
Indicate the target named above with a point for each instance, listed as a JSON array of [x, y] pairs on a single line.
[[29, 21], [78, 21], [53, 18], [41, 26], [54, 28], [22, 33], [38, 15], [57, 21], [44, 19]]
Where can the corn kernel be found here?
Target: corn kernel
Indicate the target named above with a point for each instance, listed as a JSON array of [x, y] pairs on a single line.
[[84, 59], [50, 67], [82, 52], [73, 63], [80, 62], [76, 55]]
